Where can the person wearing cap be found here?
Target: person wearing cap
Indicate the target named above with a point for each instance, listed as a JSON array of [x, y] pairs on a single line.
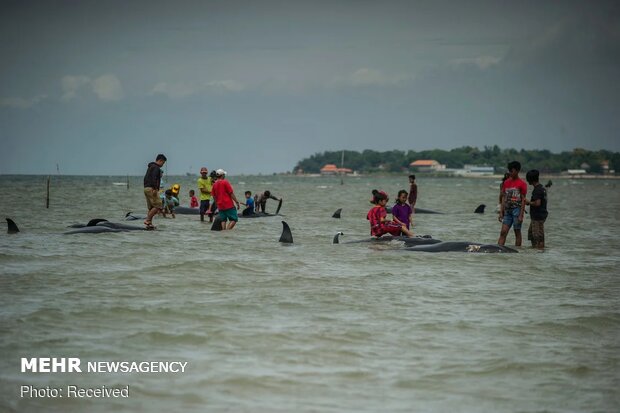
[[225, 199], [152, 181], [378, 224], [205, 186]]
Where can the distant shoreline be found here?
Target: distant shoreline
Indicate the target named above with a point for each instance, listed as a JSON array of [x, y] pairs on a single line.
[[467, 176], [373, 174]]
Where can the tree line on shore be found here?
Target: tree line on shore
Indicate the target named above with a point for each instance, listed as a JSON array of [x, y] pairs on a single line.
[[545, 161]]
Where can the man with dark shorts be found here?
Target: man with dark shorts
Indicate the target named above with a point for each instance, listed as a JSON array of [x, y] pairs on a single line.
[[205, 186], [152, 182], [224, 196], [538, 210]]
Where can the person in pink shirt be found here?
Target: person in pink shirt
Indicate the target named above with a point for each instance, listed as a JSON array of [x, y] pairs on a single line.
[[512, 205], [193, 201], [378, 224]]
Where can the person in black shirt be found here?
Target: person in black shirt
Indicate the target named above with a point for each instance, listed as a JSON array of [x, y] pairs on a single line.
[[152, 182], [538, 210]]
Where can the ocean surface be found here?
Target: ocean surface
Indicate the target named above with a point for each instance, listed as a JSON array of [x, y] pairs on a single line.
[[312, 326]]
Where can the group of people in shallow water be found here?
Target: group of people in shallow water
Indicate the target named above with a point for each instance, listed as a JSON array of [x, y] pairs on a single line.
[[512, 200], [216, 194]]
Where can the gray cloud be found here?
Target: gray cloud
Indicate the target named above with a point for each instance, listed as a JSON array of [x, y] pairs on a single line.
[[22, 103]]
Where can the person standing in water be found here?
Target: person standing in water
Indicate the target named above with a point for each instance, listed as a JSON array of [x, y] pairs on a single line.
[[538, 210], [205, 185], [224, 197], [152, 181], [512, 206], [413, 193]]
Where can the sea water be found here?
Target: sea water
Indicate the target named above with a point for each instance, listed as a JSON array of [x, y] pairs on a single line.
[[312, 326]]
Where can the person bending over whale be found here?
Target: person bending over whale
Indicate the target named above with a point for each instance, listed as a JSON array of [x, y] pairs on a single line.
[[260, 200], [378, 224]]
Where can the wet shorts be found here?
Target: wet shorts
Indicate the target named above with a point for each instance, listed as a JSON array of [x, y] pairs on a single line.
[[229, 215], [536, 232], [152, 198], [204, 206], [511, 217]]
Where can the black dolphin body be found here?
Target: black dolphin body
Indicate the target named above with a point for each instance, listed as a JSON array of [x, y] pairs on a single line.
[[183, 210], [130, 216], [426, 211], [98, 226], [462, 246], [417, 240]]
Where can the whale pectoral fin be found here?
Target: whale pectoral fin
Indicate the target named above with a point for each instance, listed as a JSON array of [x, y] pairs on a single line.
[[336, 239], [11, 226], [286, 236]]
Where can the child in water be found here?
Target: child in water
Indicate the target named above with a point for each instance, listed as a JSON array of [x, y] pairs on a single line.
[[193, 201], [249, 204], [401, 211], [377, 214]]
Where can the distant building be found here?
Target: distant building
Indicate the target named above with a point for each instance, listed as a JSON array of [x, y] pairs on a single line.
[[574, 172], [427, 165], [331, 169]]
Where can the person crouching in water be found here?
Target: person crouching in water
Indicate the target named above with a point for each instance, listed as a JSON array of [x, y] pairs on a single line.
[[401, 211], [377, 214], [169, 202]]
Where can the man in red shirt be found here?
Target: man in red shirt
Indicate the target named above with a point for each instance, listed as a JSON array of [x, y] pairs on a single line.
[[224, 197], [512, 205]]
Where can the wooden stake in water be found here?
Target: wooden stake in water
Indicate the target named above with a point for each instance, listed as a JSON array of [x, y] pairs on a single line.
[[47, 197], [342, 167]]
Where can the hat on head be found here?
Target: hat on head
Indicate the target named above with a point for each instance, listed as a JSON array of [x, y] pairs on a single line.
[[220, 172], [204, 170]]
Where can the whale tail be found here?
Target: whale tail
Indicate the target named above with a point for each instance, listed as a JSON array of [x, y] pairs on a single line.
[[11, 226], [336, 239], [337, 213], [480, 209], [286, 237]]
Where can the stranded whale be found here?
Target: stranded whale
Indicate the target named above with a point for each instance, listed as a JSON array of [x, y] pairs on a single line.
[[417, 240], [462, 246], [98, 226]]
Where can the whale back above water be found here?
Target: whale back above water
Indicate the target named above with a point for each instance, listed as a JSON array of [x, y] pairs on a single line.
[[462, 246], [286, 237], [11, 226]]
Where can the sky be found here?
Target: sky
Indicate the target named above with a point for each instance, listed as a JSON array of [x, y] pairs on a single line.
[[102, 87]]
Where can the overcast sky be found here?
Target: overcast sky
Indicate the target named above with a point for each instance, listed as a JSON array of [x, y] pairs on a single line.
[[101, 87]]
